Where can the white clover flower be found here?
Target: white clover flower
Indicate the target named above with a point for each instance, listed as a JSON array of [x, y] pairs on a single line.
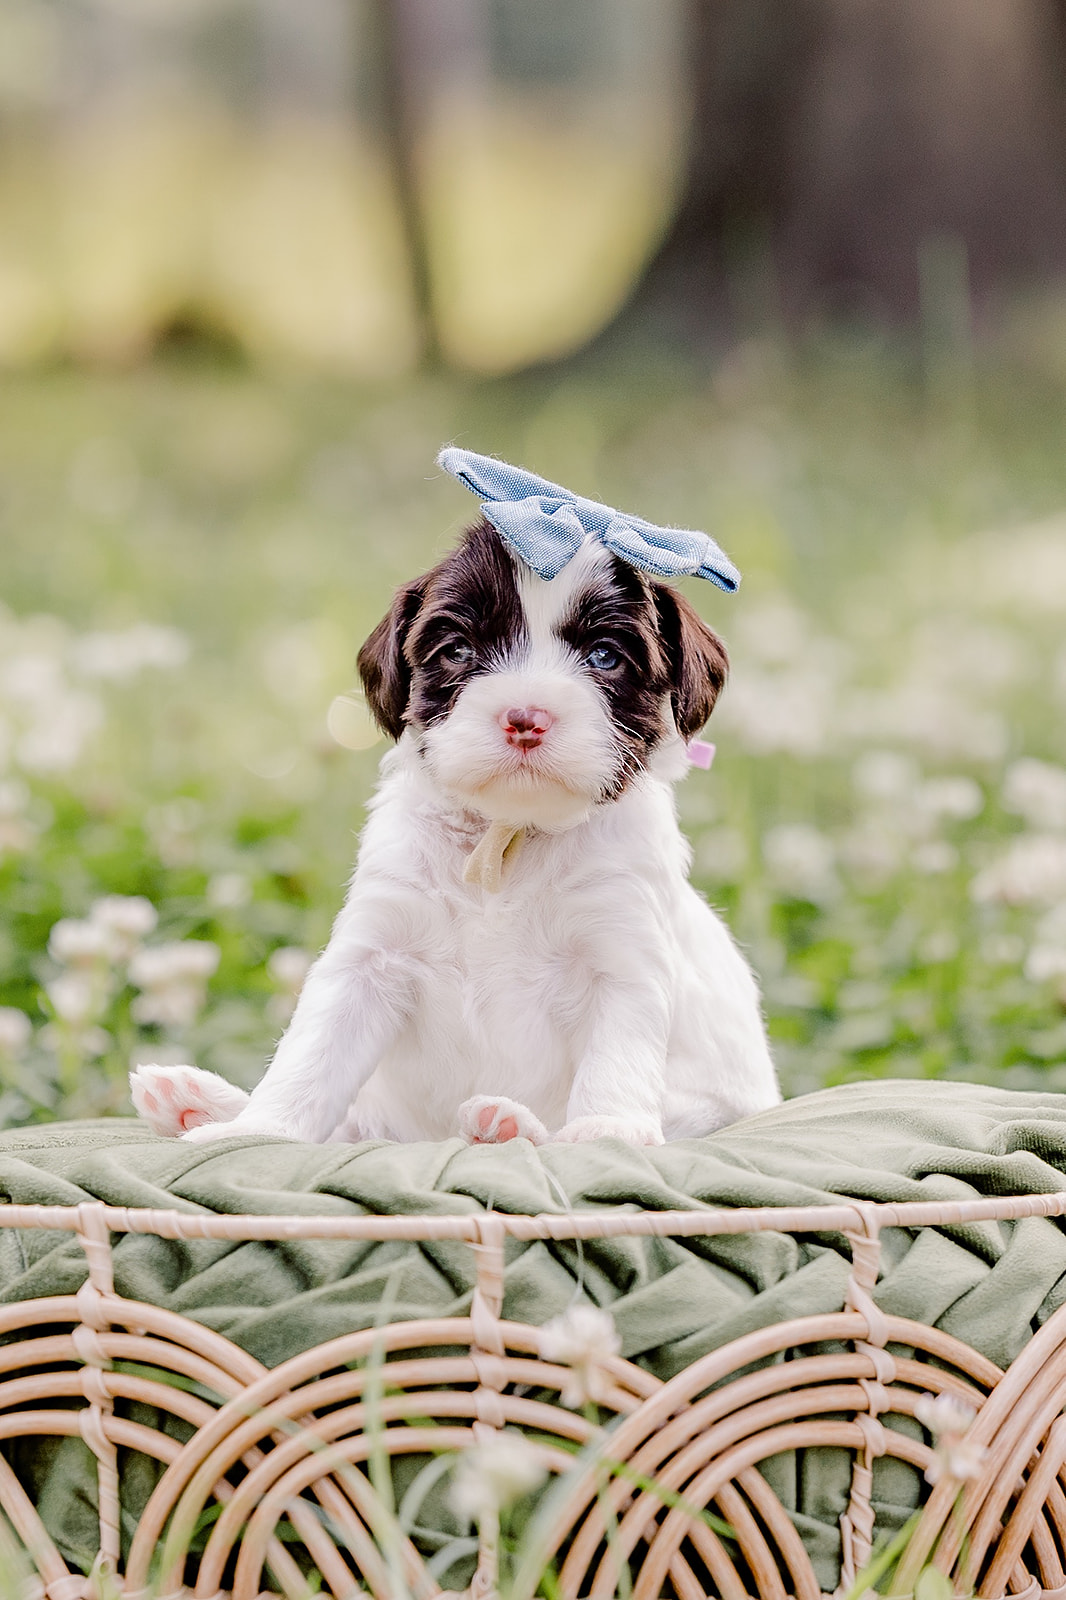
[[17, 832], [176, 1006], [1034, 580], [1032, 871], [16, 1030], [885, 775], [949, 1421], [1036, 790], [1044, 962], [961, 1461], [178, 962], [958, 798], [289, 967], [32, 678], [128, 914], [57, 731], [494, 1474], [76, 943], [229, 890], [935, 856], [582, 1338], [943, 1414], [173, 978], [121, 655], [199, 957], [14, 797], [125, 919], [75, 998]]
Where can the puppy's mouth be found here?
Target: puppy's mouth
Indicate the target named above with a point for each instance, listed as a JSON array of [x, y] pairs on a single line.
[[521, 774], [527, 766]]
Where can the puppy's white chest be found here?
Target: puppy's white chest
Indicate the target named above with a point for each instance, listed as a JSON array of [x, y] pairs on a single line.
[[519, 970], [498, 1008]]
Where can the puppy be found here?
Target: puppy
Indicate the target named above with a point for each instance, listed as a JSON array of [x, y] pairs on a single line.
[[520, 954]]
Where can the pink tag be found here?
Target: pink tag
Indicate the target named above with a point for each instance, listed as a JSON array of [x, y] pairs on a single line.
[[700, 753]]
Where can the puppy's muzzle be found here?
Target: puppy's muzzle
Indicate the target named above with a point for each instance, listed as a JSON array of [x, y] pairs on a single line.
[[524, 727]]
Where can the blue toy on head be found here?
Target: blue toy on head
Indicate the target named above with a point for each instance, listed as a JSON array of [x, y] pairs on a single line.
[[545, 525]]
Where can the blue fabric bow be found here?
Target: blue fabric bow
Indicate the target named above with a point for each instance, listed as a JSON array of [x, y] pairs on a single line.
[[545, 525]]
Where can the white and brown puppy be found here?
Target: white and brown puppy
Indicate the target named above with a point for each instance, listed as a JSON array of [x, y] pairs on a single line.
[[573, 987]]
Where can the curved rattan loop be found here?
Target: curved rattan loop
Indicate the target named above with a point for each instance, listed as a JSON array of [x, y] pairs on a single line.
[[1017, 1415], [1024, 1518], [276, 1401], [782, 1529]]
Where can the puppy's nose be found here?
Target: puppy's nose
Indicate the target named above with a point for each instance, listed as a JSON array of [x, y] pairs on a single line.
[[525, 726]]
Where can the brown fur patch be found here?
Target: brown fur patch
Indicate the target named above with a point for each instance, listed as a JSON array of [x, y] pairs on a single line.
[[617, 611], [469, 601], [382, 662], [698, 660]]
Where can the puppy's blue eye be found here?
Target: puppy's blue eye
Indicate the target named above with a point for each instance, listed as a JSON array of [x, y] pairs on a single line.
[[458, 653], [602, 658]]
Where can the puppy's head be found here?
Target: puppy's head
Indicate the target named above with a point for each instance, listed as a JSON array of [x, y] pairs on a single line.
[[531, 701]]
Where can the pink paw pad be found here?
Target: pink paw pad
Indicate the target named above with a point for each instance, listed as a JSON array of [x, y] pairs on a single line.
[[507, 1129], [174, 1100], [492, 1119]]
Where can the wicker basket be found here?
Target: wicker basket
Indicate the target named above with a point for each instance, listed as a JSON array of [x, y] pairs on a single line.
[[277, 1453]]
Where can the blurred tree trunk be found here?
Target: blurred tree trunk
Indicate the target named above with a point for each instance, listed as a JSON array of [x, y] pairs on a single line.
[[845, 145], [401, 83], [425, 49]]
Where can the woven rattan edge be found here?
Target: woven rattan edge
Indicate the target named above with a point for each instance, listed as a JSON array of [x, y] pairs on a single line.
[[847, 1217]]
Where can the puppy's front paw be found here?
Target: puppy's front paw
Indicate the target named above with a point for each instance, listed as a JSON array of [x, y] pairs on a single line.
[[493, 1119], [237, 1129], [173, 1100], [634, 1130]]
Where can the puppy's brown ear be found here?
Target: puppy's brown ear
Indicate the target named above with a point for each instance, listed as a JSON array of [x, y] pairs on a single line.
[[697, 660], [383, 666]]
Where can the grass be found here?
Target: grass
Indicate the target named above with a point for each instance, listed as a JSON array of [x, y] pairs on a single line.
[[885, 824]]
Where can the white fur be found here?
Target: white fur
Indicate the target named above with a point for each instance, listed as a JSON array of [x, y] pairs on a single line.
[[597, 993]]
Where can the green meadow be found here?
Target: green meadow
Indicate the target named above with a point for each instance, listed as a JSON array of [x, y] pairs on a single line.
[[191, 553]]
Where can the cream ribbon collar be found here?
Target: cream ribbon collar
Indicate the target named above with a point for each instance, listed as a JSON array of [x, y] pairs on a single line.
[[500, 843]]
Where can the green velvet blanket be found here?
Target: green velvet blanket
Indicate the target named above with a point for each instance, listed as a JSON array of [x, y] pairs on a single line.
[[989, 1284]]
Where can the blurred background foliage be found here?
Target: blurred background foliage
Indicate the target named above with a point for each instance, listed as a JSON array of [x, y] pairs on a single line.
[[790, 270]]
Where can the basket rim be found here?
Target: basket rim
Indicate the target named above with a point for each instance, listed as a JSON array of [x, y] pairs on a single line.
[[848, 1216]]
